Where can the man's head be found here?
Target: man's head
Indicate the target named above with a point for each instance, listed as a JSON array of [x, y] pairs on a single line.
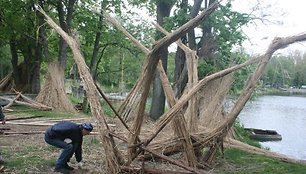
[[87, 128]]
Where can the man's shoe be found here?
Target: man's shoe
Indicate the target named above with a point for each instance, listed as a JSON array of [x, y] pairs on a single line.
[[68, 167], [62, 170]]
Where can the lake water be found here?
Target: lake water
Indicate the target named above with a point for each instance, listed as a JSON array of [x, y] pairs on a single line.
[[286, 115]]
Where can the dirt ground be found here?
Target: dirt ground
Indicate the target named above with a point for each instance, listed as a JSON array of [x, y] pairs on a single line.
[[28, 153]]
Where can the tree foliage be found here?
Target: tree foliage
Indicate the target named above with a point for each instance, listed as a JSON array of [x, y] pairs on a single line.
[[286, 71], [21, 40], [20, 28]]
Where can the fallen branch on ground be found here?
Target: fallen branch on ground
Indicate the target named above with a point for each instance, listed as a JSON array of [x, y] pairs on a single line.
[[23, 133], [232, 143], [24, 118]]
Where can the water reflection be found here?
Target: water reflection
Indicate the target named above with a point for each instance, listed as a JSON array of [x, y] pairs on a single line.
[[286, 115]]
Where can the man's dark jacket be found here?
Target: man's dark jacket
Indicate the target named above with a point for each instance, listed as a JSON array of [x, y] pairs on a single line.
[[73, 131]]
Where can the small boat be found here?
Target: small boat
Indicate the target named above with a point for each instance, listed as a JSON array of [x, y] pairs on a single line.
[[264, 135]]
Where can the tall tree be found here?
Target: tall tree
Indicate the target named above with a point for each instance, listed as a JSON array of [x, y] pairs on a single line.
[[224, 25], [20, 29], [158, 98], [180, 73], [65, 9]]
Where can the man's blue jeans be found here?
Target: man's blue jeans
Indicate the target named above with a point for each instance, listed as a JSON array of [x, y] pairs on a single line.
[[68, 150]]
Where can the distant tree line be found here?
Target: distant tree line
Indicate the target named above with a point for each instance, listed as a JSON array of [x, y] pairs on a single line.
[[286, 71]]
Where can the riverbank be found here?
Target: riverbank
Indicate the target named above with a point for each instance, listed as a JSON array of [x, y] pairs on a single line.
[[236, 161], [281, 91]]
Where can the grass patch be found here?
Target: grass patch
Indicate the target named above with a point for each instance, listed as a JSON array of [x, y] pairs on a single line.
[[26, 159], [239, 162], [243, 135], [24, 111], [236, 161]]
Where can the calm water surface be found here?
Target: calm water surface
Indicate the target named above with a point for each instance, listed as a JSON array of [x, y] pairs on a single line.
[[286, 115]]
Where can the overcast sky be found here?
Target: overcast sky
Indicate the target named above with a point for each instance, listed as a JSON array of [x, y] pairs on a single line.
[[287, 17]]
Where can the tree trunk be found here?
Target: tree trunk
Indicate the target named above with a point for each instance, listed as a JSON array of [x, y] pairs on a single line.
[[193, 13], [180, 59], [27, 74], [35, 73], [94, 60], [65, 25], [14, 60], [41, 44], [207, 44], [180, 74], [42, 32], [158, 98]]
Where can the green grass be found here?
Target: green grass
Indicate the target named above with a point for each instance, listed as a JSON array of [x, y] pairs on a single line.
[[20, 159], [243, 135], [236, 161], [37, 157], [24, 111], [239, 162]]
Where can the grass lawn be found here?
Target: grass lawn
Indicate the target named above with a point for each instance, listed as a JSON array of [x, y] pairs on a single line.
[[239, 162]]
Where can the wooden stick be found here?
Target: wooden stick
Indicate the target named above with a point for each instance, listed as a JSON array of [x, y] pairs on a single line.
[[66, 119], [119, 137], [130, 169], [12, 101], [40, 123], [5, 128], [113, 109], [28, 104], [24, 118], [29, 100], [191, 169], [179, 123], [24, 133]]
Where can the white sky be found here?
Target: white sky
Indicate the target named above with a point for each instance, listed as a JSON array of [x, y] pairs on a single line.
[[285, 18], [292, 15]]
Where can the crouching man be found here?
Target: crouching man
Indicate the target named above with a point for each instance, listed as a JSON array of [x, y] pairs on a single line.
[[69, 137]]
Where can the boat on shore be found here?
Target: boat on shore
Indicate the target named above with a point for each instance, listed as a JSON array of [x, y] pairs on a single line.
[[264, 135]]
